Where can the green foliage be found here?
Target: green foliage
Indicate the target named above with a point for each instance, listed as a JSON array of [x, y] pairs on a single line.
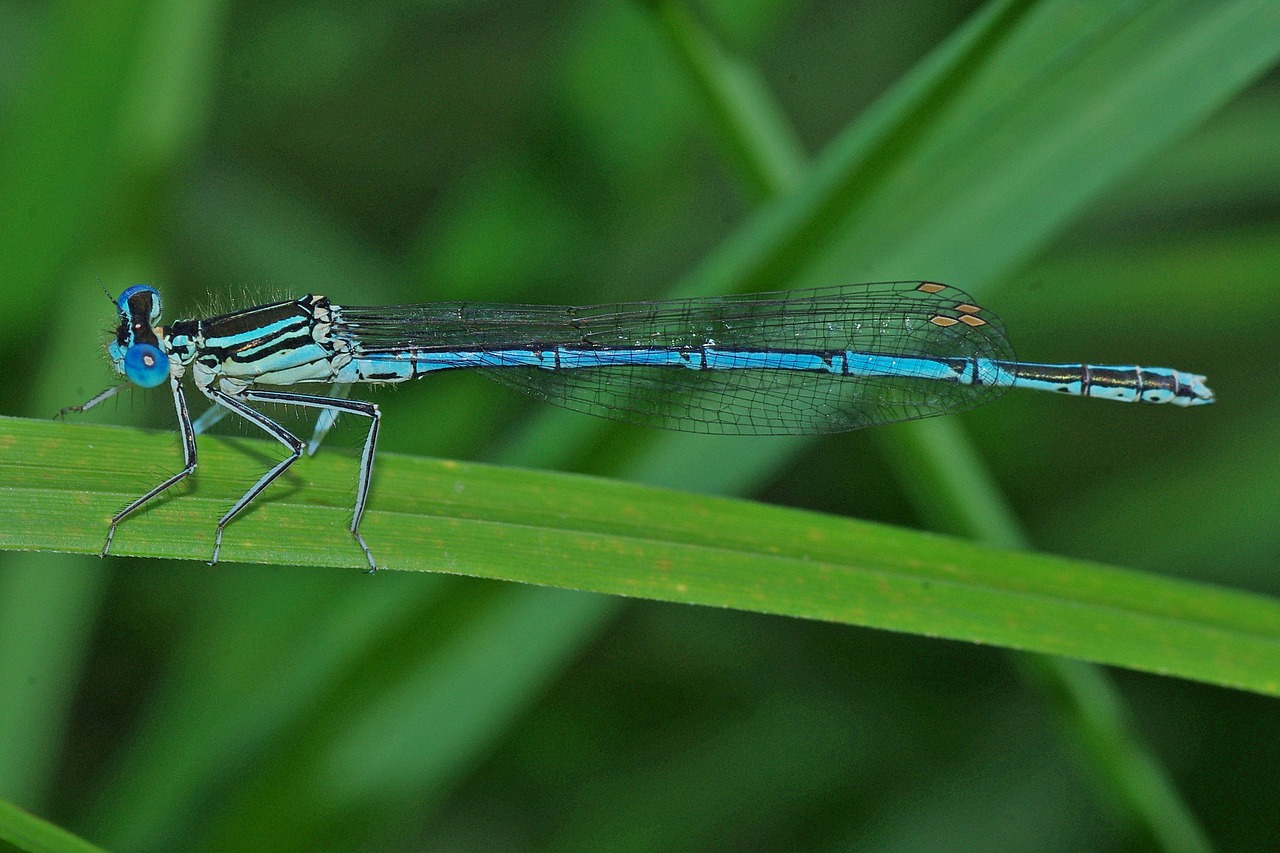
[[25, 831], [1099, 174], [581, 533]]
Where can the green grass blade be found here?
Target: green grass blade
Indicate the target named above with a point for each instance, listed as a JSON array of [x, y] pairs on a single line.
[[62, 483], [1094, 712], [25, 831], [753, 132]]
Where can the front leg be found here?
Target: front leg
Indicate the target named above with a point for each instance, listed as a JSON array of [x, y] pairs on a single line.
[[92, 401], [188, 455]]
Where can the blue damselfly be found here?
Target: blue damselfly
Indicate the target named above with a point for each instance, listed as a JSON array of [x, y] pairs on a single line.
[[806, 361]]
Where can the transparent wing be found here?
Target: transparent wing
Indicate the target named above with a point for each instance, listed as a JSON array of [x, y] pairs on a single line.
[[902, 319]]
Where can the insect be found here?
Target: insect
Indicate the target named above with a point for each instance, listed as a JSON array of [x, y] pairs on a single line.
[[805, 361]]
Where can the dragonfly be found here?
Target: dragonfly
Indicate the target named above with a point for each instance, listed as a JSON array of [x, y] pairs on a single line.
[[823, 360]]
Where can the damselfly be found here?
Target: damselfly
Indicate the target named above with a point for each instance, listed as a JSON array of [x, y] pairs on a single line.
[[805, 361]]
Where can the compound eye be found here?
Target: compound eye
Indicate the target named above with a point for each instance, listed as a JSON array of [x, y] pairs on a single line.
[[123, 302], [145, 365]]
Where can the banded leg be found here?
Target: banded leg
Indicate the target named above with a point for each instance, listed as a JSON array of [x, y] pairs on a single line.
[[215, 413], [296, 447], [337, 405], [188, 456], [92, 401]]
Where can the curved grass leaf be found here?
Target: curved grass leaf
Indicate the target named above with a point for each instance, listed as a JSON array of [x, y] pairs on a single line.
[[63, 482], [25, 831]]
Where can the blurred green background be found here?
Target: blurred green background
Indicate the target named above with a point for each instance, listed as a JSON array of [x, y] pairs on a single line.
[[395, 151]]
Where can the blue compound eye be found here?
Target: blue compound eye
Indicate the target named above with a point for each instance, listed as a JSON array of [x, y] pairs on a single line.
[[123, 302], [145, 365]]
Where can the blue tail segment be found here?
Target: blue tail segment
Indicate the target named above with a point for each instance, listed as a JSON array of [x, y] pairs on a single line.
[[1129, 384]]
